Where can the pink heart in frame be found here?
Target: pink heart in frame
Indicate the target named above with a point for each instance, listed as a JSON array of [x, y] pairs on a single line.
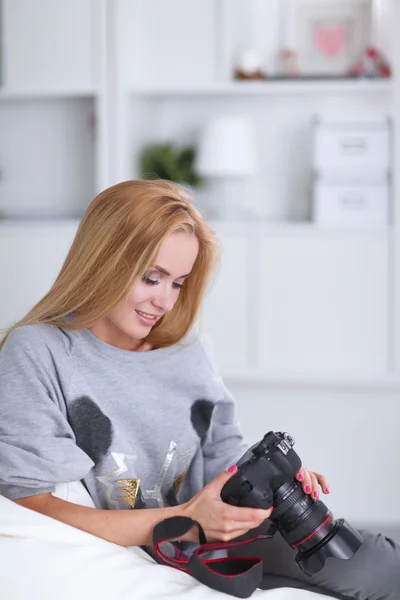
[[331, 40]]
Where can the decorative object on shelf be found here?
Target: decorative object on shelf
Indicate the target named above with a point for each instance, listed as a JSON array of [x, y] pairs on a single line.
[[328, 36], [227, 154], [352, 166], [288, 64], [372, 64], [167, 161], [248, 66]]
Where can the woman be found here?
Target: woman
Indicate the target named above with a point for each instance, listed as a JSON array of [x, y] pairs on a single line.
[[106, 381]]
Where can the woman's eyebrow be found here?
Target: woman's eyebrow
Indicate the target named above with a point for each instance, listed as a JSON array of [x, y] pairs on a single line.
[[158, 268]]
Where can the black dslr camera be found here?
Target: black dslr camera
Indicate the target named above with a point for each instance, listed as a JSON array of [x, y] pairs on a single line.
[[266, 476]]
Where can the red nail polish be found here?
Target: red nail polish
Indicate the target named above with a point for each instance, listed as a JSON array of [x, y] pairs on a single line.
[[316, 495], [308, 489], [327, 490], [231, 469], [301, 476]]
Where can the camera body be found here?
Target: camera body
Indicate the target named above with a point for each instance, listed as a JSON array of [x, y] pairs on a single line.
[[261, 471], [265, 477]]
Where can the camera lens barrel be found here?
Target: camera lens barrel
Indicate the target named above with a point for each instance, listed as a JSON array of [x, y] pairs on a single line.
[[309, 527], [299, 518]]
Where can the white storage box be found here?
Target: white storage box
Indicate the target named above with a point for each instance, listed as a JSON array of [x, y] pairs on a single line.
[[351, 204], [351, 146]]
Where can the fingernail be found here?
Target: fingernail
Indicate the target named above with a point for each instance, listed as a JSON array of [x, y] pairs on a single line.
[[300, 476], [231, 469], [316, 495], [271, 508], [327, 490], [308, 489]]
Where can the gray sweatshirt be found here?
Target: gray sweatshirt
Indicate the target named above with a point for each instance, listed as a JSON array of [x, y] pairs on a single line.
[[140, 429]]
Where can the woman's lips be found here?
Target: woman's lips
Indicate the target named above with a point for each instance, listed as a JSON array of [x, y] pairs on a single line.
[[146, 319]]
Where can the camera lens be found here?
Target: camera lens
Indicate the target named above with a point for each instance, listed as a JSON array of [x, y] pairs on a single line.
[[309, 527]]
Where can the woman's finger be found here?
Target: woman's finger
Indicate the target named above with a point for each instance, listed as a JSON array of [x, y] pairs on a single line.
[[307, 483], [244, 514], [245, 525], [314, 485], [323, 482], [300, 475]]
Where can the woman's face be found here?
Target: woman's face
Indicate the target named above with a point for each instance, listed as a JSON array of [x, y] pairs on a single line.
[[131, 320]]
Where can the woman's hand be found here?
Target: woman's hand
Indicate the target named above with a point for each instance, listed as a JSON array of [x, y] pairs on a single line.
[[221, 521], [311, 482]]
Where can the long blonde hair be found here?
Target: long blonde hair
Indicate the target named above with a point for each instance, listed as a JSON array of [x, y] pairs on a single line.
[[117, 241]]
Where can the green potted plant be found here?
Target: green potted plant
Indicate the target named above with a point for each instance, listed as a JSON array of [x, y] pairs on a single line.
[[166, 161]]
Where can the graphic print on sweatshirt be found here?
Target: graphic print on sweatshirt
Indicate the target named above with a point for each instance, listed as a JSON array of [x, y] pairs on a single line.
[[200, 415], [131, 491], [94, 435]]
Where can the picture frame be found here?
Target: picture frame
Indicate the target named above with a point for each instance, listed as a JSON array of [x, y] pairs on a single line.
[[328, 36]]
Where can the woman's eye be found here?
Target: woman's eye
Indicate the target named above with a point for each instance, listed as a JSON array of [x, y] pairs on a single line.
[[150, 281]]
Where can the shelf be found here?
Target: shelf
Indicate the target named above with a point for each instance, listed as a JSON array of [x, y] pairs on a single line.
[[275, 87], [297, 228], [363, 382], [37, 226], [290, 228], [45, 94]]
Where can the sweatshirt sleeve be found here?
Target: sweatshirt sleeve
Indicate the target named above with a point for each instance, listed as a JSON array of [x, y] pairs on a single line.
[[37, 444], [224, 443]]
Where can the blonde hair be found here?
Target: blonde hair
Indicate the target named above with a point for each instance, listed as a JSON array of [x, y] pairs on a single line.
[[117, 241]]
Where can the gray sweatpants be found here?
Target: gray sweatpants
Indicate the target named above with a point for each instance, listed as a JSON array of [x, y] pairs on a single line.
[[373, 573]]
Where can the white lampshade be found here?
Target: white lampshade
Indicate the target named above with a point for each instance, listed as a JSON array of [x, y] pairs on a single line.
[[227, 148]]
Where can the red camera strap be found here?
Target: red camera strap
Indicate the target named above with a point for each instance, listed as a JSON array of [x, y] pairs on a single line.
[[238, 576]]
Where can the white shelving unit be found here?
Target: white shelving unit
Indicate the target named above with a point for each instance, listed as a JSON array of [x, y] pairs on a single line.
[[54, 147], [114, 92], [53, 96], [295, 320]]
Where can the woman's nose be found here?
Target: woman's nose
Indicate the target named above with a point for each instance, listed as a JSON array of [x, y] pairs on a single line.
[[164, 300]]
